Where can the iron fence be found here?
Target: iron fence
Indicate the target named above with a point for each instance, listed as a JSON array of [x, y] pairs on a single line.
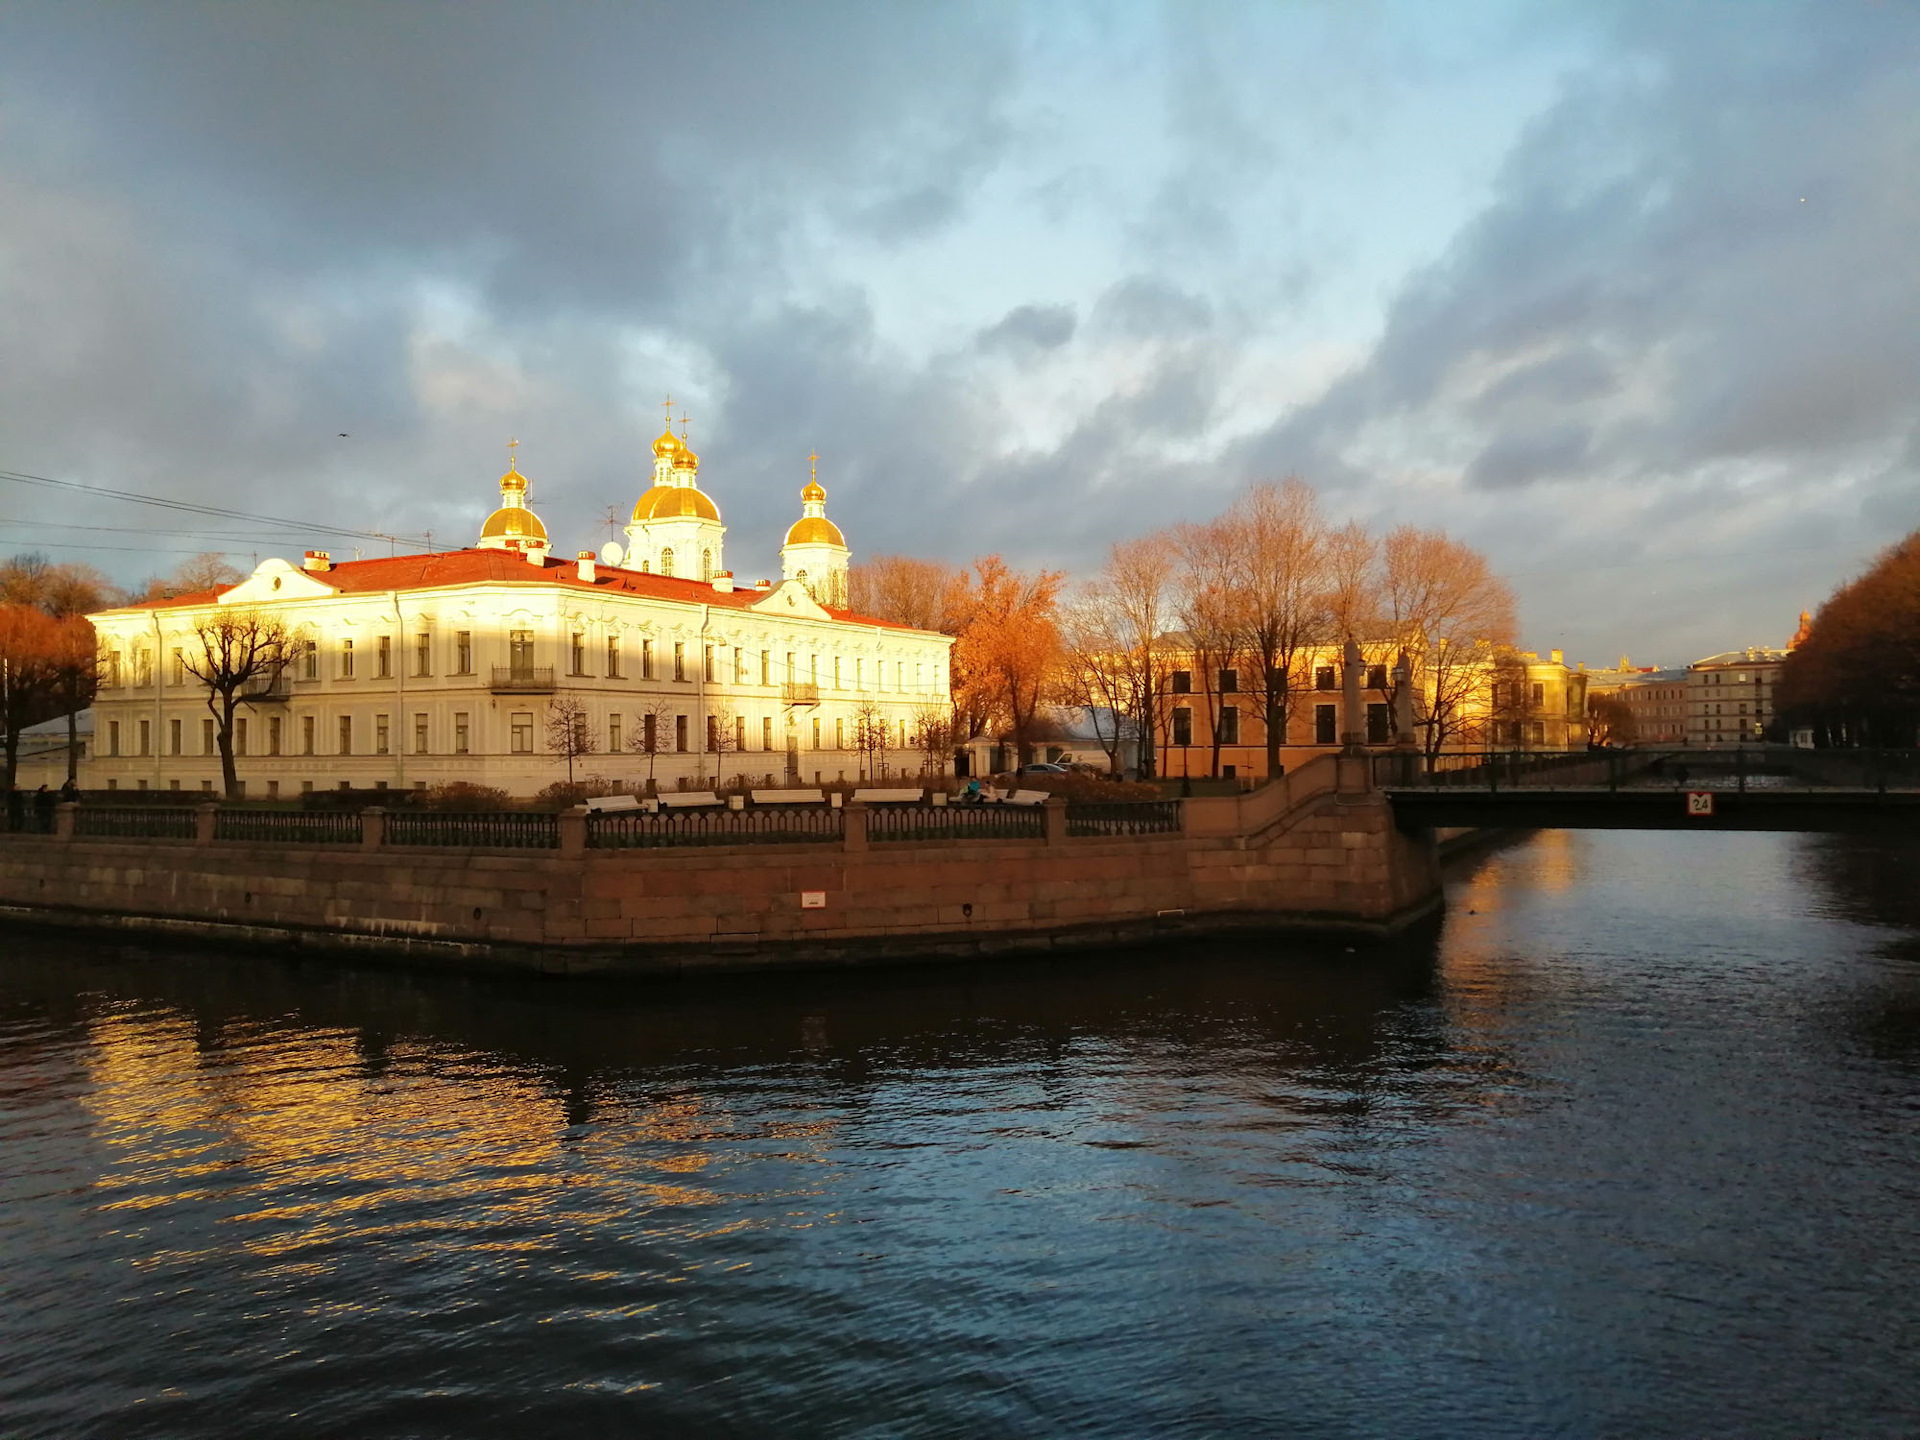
[[957, 822], [771, 825], [1123, 817], [494, 829], [289, 827], [128, 822]]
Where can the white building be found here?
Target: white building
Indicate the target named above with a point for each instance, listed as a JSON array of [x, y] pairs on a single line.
[[413, 671]]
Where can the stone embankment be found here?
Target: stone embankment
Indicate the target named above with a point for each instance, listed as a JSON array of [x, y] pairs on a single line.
[[1317, 849]]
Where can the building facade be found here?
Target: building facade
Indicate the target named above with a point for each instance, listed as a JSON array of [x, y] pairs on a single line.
[[1730, 697], [409, 672], [1654, 699]]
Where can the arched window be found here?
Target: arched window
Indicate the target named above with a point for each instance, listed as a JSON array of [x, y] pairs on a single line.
[[646, 567], [666, 561], [706, 564], [801, 577]]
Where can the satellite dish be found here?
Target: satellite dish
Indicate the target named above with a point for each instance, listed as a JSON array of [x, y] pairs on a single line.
[[611, 552]]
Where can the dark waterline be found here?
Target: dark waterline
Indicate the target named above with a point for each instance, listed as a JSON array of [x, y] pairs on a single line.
[[1630, 1147]]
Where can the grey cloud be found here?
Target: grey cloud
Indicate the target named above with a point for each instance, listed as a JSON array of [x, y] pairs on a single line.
[[1029, 328], [1529, 457], [1148, 307]]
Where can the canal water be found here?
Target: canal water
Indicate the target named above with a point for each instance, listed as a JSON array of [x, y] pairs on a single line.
[[1630, 1146]]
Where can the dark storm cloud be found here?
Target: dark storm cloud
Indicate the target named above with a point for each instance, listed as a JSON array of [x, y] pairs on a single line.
[[1029, 328]]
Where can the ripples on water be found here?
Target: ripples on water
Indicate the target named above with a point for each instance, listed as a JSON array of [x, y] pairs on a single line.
[[1630, 1148]]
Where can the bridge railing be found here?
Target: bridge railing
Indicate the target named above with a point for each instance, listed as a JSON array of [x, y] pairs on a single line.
[[1732, 767], [1502, 769]]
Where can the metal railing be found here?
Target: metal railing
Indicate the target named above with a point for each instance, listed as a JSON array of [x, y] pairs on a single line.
[[771, 825], [956, 822], [1498, 769], [799, 692], [495, 829], [288, 827], [1123, 817], [127, 822], [523, 679], [264, 689]]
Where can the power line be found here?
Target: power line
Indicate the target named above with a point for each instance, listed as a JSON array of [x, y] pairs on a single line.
[[138, 530], [193, 507]]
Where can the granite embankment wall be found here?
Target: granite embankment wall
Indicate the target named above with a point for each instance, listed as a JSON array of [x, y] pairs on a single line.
[[1317, 850]]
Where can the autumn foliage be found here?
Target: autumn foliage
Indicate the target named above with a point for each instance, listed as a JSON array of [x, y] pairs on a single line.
[[1855, 679]]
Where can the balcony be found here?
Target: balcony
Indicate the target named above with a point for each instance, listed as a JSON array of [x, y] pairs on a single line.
[[523, 679], [267, 690], [796, 692]]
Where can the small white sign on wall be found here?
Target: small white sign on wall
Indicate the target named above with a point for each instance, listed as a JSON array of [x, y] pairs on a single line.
[[1699, 802], [813, 899]]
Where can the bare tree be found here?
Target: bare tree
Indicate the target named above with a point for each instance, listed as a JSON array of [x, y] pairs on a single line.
[[239, 648], [902, 589], [933, 737], [1113, 631], [1212, 612], [568, 732], [870, 737], [723, 734], [648, 735], [1273, 555], [1447, 609]]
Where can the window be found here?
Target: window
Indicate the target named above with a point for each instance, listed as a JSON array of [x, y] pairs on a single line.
[[706, 664], [239, 736], [706, 564], [646, 659], [613, 657], [346, 659], [1539, 694], [273, 735], [1324, 678], [520, 654], [1229, 723], [143, 666], [680, 660], [836, 672], [346, 734], [522, 733], [460, 732], [173, 737], [839, 733], [383, 657], [1229, 682], [1379, 724], [1326, 724], [713, 733], [113, 737], [766, 732], [146, 737], [666, 568], [649, 733], [113, 668], [766, 668], [614, 734], [206, 737], [816, 732], [813, 669], [859, 673], [179, 666], [380, 735], [739, 666], [680, 733], [1183, 725], [310, 661], [739, 732], [577, 654], [1376, 677], [419, 734], [306, 734], [422, 653], [1539, 732], [463, 652], [273, 789], [790, 673]]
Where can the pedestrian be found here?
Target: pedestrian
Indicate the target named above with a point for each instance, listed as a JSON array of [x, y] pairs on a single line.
[[70, 792], [43, 810], [971, 795]]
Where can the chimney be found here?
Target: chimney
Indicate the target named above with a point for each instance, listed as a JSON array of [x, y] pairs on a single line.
[[763, 584], [318, 561], [586, 566], [723, 582], [1558, 657]]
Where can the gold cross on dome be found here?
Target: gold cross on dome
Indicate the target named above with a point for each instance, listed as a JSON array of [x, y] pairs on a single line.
[[667, 405], [512, 445], [683, 424], [813, 466]]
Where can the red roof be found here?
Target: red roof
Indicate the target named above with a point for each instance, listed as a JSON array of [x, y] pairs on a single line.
[[505, 567]]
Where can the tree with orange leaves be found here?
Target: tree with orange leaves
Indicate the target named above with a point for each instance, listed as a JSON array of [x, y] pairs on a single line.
[[29, 645], [1008, 647]]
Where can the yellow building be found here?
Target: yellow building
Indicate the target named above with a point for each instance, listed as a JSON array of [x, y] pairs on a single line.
[[413, 671]]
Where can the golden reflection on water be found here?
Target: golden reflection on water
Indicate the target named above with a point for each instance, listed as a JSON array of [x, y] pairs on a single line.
[[307, 1147]]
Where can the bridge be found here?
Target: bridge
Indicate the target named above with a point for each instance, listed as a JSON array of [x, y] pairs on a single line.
[[1750, 788]]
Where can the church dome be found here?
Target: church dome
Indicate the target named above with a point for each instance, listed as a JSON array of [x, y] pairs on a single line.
[[513, 482], [514, 522], [667, 444], [815, 491], [668, 502], [815, 530]]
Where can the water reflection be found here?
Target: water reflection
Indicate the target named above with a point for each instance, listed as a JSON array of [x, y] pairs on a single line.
[[1621, 1150]]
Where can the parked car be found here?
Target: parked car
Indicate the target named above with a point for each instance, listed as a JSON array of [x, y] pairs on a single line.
[[1042, 767]]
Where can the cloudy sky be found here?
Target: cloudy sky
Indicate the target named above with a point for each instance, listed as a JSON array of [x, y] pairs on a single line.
[[1627, 295]]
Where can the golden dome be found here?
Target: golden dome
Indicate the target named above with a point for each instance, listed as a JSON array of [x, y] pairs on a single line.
[[515, 521], [815, 491], [815, 530], [513, 480], [666, 502], [667, 444]]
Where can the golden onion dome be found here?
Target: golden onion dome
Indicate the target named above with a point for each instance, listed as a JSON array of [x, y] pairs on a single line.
[[815, 491], [667, 502], [815, 530], [667, 444], [515, 521], [513, 481]]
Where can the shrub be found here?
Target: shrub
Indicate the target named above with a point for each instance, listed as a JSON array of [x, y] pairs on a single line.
[[463, 795]]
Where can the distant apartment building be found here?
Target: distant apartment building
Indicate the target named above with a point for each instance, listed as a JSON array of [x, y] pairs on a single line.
[[1655, 700], [1730, 696]]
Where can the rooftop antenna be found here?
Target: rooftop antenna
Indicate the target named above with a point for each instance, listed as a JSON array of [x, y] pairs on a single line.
[[429, 542], [612, 520]]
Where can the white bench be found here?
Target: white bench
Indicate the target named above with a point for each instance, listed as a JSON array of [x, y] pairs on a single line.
[[690, 799], [1028, 797], [880, 795], [789, 797], [600, 804]]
